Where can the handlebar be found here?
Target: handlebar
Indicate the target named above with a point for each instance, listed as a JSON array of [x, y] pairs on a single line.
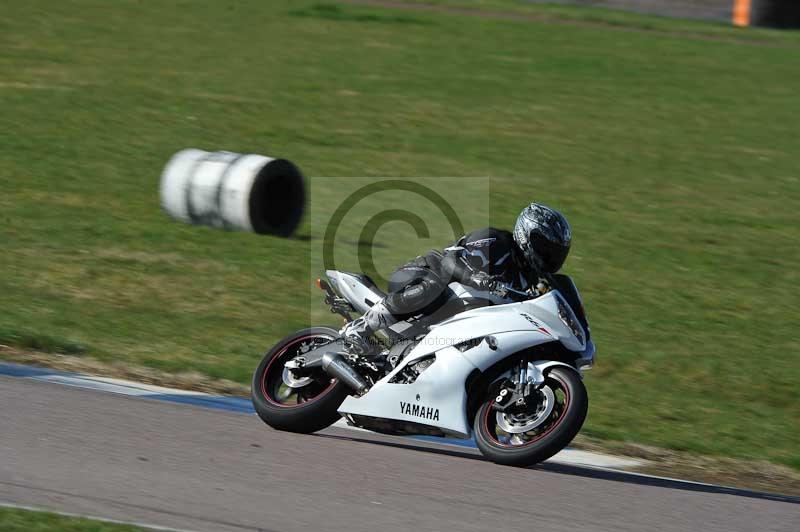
[[503, 290]]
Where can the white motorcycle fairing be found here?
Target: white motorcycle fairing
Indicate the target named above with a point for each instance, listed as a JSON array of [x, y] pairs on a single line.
[[474, 339], [351, 287]]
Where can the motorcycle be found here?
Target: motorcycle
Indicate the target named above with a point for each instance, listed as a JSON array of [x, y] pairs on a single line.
[[508, 374]]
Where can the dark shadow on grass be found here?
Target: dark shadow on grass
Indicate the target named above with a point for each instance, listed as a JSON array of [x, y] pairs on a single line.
[[360, 243], [41, 342], [589, 472], [335, 12], [364, 243]]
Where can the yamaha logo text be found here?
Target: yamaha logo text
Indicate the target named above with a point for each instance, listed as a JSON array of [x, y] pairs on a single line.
[[419, 411]]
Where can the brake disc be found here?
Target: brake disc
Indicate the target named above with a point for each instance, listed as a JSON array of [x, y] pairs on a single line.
[[519, 423], [292, 381]]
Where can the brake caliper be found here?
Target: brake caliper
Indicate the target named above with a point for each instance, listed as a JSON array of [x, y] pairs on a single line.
[[511, 395]]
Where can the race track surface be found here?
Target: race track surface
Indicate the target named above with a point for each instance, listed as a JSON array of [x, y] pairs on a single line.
[[186, 467]]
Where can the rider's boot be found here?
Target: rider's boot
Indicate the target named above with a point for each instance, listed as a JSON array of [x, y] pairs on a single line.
[[358, 332]]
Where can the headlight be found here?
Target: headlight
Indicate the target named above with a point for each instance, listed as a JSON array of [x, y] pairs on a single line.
[[568, 318]]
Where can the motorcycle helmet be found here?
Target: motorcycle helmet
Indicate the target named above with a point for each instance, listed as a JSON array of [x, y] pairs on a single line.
[[543, 236]]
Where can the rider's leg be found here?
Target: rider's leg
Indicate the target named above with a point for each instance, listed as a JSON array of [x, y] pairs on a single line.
[[415, 289]]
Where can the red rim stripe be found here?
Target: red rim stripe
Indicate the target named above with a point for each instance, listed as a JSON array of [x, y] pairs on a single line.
[[285, 348]]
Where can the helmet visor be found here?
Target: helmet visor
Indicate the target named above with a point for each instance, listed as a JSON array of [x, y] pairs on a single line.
[[551, 255]]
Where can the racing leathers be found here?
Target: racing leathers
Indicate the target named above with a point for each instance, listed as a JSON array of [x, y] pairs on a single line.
[[483, 259]]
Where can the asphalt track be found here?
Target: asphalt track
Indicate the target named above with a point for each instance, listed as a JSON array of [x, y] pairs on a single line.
[[193, 468]]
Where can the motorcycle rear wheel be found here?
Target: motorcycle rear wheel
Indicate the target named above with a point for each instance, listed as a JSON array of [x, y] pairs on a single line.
[[549, 436], [303, 405]]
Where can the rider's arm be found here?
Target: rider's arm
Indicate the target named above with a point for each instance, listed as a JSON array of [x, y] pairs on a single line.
[[456, 268]]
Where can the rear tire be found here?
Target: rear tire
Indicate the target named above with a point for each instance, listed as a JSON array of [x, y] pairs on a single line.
[[315, 405], [555, 433]]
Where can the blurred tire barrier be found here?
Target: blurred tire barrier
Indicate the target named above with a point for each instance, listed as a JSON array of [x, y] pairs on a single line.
[[233, 191], [775, 13]]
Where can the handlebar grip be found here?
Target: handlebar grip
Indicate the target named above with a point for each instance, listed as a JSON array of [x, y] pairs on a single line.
[[505, 291]]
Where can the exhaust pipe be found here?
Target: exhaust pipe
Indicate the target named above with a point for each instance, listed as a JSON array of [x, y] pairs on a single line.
[[335, 365]]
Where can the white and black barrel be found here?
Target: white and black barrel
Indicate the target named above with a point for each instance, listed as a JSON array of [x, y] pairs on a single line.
[[233, 191]]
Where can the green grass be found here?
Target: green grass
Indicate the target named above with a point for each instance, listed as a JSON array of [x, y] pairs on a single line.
[[674, 155], [14, 520]]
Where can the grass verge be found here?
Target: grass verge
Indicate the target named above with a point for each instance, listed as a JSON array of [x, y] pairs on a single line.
[[16, 520]]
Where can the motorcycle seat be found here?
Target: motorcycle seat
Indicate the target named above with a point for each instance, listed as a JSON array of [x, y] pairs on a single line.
[[369, 283]]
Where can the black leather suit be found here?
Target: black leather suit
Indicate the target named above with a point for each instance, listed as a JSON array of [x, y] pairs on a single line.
[[420, 286]]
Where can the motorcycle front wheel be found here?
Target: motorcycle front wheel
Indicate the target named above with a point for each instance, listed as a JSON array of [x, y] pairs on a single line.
[[523, 436], [297, 404]]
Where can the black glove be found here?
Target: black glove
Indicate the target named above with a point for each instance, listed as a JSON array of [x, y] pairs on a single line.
[[484, 281]]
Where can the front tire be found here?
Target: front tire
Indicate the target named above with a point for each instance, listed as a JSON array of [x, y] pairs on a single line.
[[309, 404], [498, 440]]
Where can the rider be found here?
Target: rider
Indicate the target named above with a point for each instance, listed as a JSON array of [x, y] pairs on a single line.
[[484, 259]]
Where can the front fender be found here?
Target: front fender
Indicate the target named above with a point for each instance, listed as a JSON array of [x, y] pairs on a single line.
[[482, 356], [536, 369]]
